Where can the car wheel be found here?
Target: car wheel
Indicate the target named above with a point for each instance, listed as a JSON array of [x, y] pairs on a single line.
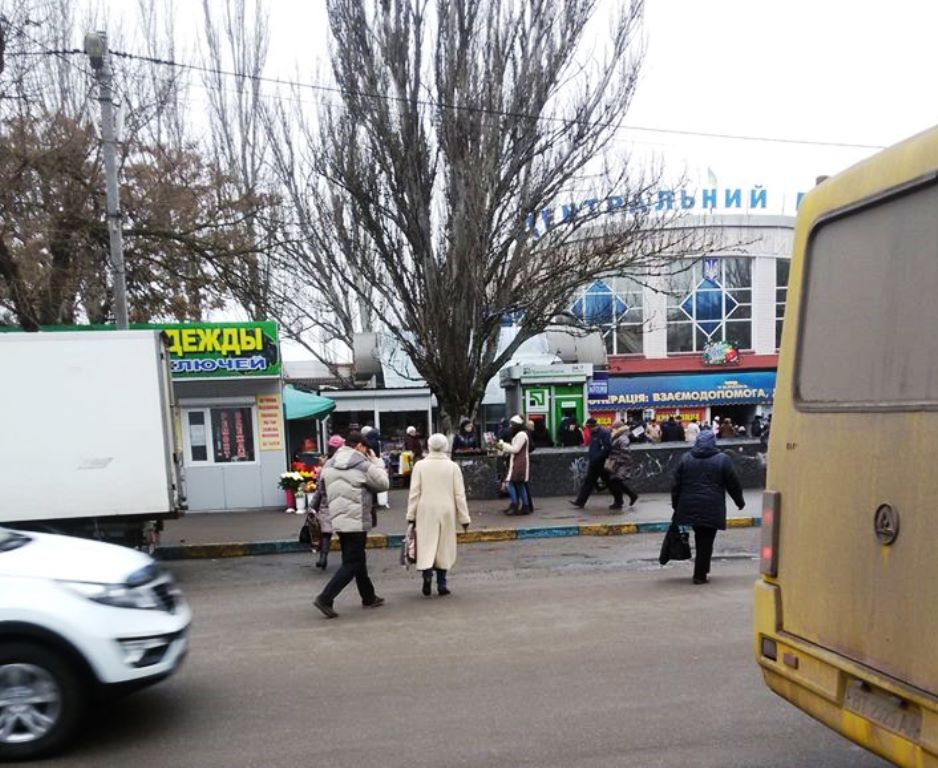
[[40, 700]]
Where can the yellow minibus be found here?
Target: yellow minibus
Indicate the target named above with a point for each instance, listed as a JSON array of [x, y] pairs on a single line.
[[846, 608]]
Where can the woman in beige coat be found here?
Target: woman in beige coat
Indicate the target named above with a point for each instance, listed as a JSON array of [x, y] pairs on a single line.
[[437, 499]]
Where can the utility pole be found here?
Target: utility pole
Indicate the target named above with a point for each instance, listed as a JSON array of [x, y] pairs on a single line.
[[96, 48]]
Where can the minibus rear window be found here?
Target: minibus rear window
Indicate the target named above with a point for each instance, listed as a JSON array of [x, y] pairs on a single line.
[[868, 334]]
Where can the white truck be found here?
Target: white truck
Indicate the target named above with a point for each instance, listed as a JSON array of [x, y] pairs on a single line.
[[87, 439]]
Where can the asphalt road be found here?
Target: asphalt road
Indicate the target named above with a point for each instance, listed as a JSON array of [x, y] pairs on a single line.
[[575, 652]]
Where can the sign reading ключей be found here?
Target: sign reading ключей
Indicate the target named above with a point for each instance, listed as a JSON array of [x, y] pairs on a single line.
[[223, 350]]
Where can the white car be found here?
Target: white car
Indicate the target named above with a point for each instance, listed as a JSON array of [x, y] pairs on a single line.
[[79, 620]]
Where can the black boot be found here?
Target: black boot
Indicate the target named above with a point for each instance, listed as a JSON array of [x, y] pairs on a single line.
[[441, 588], [512, 510], [323, 559], [427, 583]]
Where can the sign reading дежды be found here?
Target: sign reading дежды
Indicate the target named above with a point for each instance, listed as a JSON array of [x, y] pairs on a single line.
[[223, 350]]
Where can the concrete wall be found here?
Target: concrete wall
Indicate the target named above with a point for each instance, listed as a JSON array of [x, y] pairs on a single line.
[[559, 471], [223, 487]]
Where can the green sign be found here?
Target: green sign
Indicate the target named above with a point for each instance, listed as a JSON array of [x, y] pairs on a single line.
[[537, 400], [223, 350]]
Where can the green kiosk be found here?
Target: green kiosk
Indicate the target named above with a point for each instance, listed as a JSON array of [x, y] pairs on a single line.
[[547, 391]]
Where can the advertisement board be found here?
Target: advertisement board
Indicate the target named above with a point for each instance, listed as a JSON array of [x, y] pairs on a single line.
[[687, 390], [223, 350], [270, 422]]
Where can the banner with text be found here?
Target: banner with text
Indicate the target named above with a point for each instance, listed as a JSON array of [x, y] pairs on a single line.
[[223, 350], [687, 390]]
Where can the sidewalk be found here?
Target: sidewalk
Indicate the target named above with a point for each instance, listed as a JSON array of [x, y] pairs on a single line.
[[238, 534]]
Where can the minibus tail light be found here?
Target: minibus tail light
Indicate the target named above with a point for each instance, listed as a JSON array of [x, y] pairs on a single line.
[[771, 506]]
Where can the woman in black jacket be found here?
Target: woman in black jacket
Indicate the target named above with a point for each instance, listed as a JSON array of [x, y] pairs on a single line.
[[701, 481]]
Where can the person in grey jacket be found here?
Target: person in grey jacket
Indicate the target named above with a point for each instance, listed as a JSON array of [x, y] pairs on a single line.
[[352, 479]]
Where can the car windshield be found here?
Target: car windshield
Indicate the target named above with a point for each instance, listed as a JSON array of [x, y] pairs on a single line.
[[11, 540]]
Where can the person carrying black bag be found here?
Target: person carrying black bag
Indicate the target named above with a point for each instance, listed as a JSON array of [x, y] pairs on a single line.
[[701, 481]]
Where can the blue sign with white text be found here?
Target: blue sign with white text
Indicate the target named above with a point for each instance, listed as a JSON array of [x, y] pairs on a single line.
[[599, 384], [687, 390]]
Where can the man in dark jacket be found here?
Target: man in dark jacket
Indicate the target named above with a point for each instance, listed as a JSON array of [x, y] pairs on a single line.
[[701, 481], [671, 431], [600, 446]]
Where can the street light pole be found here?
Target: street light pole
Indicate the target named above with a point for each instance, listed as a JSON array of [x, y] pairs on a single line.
[[96, 48]]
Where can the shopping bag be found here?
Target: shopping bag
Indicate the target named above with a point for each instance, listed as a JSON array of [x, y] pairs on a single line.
[[409, 548], [311, 532], [676, 545]]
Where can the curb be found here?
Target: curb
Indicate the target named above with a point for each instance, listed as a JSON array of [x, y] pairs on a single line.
[[393, 540]]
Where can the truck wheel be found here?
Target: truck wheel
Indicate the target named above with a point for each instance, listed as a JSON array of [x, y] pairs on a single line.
[[40, 701]]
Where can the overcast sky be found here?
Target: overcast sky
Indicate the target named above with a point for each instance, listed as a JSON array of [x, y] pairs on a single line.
[[851, 71], [838, 71]]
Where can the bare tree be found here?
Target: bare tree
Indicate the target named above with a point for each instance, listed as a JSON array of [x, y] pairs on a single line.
[[236, 38], [183, 219], [252, 135], [313, 303], [459, 125]]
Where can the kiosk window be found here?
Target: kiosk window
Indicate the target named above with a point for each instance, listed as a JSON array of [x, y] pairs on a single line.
[[220, 435], [197, 443], [232, 434]]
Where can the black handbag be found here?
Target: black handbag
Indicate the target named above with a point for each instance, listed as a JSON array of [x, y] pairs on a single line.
[[676, 545]]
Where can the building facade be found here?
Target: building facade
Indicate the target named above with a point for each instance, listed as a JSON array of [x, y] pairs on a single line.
[[700, 340]]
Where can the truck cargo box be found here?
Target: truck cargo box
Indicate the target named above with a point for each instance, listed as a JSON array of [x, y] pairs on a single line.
[[86, 427]]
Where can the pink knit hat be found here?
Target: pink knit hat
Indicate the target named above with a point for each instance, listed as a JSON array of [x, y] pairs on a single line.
[[336, 441]]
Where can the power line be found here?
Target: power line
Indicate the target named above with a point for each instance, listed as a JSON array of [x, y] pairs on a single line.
[[484, 110]]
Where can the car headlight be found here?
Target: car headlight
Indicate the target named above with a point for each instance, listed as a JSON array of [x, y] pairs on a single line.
[[118, 595]]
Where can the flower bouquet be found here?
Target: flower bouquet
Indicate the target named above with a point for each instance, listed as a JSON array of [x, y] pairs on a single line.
[[290, 483]]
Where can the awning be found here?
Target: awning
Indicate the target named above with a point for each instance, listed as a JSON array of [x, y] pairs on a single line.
[[304, 405], [686, 390]]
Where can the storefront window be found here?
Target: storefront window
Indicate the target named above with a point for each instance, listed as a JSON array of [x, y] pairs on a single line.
[[614, 305], [232, 434], [342, 422], [394, 425], [782, 267], [197, 440], [229, 431], [710, 300]]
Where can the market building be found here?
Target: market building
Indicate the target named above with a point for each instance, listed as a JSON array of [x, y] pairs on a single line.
[[230, 415], [701, 341]]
